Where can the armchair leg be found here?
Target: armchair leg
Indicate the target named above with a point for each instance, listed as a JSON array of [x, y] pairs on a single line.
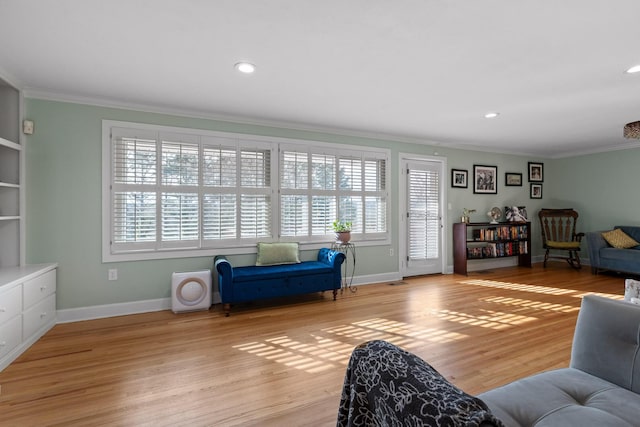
[[574, 260], [546, 257]]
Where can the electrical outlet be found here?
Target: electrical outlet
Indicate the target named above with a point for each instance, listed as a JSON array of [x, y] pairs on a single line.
[[113, 274]]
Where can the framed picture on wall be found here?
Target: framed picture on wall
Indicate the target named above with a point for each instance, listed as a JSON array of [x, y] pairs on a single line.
[[485, 179], [513, 179], [536, 172], [535, 191], [459, 178]]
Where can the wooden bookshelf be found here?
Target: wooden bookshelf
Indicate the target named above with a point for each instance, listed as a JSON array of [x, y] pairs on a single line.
[[483, 240]]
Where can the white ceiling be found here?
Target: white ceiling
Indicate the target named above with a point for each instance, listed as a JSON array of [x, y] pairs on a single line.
[[418, 70]]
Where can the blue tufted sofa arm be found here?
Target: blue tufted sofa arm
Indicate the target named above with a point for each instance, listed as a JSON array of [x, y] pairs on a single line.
[[333, 258], [225, 275]]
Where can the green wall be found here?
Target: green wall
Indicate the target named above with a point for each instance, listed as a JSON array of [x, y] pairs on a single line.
[[63, 194], [603, 187]]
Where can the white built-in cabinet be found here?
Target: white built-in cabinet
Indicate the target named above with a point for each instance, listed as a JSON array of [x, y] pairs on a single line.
[[27, 292], [27, 308]]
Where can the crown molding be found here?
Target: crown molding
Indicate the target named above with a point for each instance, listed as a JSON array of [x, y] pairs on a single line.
[[295, 126]]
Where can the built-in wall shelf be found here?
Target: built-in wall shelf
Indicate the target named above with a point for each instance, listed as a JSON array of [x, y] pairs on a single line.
[[10, 144], [11, 177]]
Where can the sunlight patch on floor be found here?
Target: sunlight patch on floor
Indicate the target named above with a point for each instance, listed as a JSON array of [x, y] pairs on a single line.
[[519, 287], [537, 305], [322, 353], [601, 294], [313, 357], [487, 319], [393, 331]]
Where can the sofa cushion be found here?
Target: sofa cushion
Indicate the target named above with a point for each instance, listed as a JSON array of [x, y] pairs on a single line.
[[619, 239], [621, 255], [564, 397], [563, 245], [631, 231], [253, 273], [277, 253]]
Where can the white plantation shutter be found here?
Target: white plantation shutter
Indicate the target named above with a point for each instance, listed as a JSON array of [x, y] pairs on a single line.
[[180, 204], [170, 190], [424, 222], [323, 213], [340, 184], [220, 199], [134, 217], [255, 193], [375, 206], [294, 211], [133, 199], [255, 216], [219, 217]]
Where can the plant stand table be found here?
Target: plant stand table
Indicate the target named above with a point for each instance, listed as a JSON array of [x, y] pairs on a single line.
[[349, 251]]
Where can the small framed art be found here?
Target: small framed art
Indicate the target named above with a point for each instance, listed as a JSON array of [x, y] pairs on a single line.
[[485, 179], [512, 179], [459, 178], [535, 191], [536, 172]]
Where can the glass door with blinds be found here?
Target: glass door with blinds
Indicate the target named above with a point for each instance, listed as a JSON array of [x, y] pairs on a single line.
[[423, 217]]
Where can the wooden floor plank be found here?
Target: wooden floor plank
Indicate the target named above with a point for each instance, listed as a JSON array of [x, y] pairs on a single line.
[[282, 362]]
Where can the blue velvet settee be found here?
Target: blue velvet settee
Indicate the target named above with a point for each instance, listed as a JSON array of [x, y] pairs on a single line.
[[604, 256], [385, 385], [257, 282]]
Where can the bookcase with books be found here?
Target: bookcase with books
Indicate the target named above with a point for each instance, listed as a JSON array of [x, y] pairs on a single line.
[[483, 240]]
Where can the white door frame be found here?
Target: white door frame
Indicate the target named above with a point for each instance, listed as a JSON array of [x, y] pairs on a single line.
[[402, 210]]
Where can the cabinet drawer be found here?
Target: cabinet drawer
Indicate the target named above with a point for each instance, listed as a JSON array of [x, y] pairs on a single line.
[[10, 335], [38, 288], [10, 303], [38, 316]]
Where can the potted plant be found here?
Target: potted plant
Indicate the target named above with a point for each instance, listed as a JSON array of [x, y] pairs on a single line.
[[343, 230]]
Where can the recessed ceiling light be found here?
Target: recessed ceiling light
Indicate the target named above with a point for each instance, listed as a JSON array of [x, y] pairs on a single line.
[[634, 69], [491, 115], [245, 67]]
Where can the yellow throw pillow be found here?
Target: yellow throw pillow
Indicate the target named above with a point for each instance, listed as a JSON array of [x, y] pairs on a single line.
[[619, 239]]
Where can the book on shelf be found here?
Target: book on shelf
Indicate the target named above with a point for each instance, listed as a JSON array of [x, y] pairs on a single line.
[[503, 232]]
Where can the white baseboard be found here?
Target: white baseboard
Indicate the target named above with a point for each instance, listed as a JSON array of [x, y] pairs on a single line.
[[371, 279], [135, 307], [112, 310]]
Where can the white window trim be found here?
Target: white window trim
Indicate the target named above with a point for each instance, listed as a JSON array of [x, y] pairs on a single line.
[[235, 247]]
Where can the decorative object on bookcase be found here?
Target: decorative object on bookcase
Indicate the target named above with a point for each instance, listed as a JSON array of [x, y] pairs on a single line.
[[515, 213], [485, 179], [465, 214], [495, 214], [484, 240]]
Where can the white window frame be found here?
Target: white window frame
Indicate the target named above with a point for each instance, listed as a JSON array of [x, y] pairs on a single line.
[[231, 246]]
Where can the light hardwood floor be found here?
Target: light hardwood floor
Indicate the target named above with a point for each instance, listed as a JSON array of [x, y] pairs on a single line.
[[282, 363]]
